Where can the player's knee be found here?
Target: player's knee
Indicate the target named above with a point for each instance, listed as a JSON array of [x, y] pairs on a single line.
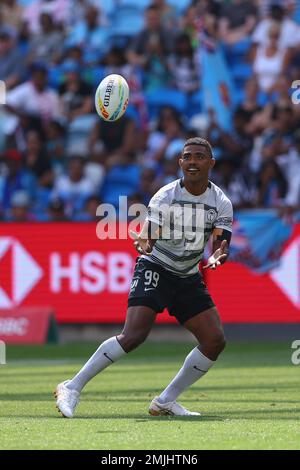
[[129, 342], [216, 343], [219, 342]]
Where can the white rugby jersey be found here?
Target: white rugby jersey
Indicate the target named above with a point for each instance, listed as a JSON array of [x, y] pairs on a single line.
[[187, 222]]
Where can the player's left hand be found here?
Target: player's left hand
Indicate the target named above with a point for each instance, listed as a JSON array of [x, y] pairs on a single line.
[[141, 245], [215, 259]]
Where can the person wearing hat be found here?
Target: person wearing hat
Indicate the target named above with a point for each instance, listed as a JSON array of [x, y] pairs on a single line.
[[20, 208]]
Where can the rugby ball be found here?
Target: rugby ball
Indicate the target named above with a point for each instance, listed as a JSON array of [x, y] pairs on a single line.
[[112, 97]]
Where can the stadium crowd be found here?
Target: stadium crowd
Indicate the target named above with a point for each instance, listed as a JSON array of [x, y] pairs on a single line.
[[58, 160]]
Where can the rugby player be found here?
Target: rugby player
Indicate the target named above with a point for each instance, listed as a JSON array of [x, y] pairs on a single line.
[[181, 218]]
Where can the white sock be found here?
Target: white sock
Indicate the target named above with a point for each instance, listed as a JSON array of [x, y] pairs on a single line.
[[195, 366], [107, 353]]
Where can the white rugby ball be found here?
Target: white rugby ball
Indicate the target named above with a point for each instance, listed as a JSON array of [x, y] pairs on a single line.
[[112, 97]]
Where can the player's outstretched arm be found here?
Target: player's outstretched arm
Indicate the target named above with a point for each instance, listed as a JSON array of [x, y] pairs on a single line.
[[221, 240], [145, 240]]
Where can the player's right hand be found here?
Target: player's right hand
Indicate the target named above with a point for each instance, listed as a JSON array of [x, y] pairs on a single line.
[[142, 245]]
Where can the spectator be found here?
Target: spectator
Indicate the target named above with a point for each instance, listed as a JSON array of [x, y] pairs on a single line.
[[55, 146], [20, 208], [272, 185], [58, 9], [250, 103], [237, 144], [270, 60], [290, 165], [75, 93], [184, 67], [238, 20], [170, 172], [153, 38], [146, 184], [232, 183], [56, 211], [13, 179], [91, 35], [289, 29], [89, 213], [34, 97], [36, 160], [11, 61], [167, 14], [73, 188], [169, 129], [46, 45], [155, 66], [189, 25], [113, 139], [11, 13]]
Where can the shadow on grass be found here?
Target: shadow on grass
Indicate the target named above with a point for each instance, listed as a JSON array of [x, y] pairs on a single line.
[[225, 416]]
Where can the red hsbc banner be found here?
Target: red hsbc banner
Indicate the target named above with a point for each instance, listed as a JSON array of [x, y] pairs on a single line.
[[25, 325], [85, 279]]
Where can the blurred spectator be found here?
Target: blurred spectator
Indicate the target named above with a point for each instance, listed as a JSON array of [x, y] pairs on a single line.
[[233, 183], [34, 97], [46, 45], [55, 146], [56, 211], [78, 10], [11, 13], [89, 211], [36, 160], [250, 102], [170, 172], [13, 178], [238, 20], [237, 144], [11, 61], [153, 39], [167, 14], [146, 184], [75, 94], [289, 29], [20, 208], [113, 139], [270, 60], [184, 67], [58, 9], [290, 165], [272, 185], [91, 35], [169, 128], [189, 25], [155, 66], [74, 187]]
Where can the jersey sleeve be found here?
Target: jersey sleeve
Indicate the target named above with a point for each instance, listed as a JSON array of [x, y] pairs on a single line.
[[225, 215], [158, 209]]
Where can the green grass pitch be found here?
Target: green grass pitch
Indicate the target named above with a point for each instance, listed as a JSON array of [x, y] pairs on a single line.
[[249, 400]]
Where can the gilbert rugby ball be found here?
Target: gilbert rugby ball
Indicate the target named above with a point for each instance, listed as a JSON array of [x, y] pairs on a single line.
[[112, 97]]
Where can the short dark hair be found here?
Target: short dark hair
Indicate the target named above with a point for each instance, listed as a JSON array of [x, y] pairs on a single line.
[[199, 141]]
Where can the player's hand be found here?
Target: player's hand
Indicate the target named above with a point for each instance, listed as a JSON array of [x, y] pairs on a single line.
[[142, 245], [215, 259]]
